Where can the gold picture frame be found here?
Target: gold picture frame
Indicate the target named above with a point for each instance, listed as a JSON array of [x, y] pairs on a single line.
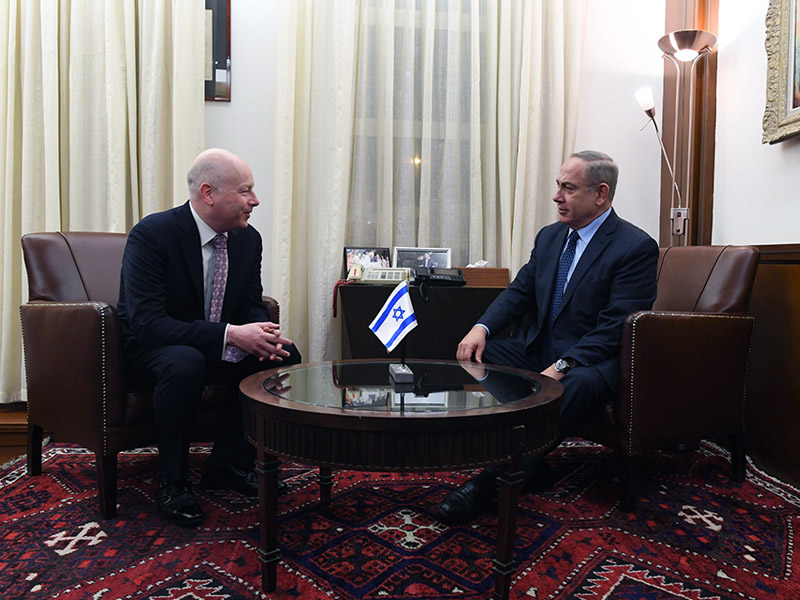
[[782, 112]]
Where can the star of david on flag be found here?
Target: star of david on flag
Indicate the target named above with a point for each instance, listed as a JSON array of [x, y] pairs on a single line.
[[395, 319]]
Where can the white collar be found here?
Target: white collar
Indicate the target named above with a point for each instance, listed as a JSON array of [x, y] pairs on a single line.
[[204, 229]]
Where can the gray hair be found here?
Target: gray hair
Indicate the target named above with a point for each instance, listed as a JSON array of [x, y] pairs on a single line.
[[600, 168]]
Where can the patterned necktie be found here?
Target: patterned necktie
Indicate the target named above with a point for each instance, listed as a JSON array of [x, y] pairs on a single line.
[[564, 264], [220, 242]]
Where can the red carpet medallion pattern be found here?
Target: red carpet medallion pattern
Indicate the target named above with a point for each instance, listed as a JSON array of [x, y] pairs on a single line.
[[695, 535]]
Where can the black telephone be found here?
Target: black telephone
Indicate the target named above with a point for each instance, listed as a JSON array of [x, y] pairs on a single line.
[[438, 276]]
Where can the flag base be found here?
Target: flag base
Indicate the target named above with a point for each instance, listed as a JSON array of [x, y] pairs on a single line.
[[400, 373]]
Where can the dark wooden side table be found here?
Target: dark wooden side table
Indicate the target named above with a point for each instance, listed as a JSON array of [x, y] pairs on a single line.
[[349, 415], [447, 315]]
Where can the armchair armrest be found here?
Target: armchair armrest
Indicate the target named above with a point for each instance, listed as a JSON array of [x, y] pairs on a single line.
[[688, 364], [74, 368], [274, 309]]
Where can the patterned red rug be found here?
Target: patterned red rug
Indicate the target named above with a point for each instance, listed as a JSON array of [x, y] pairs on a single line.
[[695, 535]]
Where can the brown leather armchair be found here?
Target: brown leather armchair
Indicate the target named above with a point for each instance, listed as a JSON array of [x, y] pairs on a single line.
[[73, 356], [683, 365]]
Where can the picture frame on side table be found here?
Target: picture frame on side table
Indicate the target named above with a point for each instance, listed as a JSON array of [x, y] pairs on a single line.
[[369, 256], [414, 257], [782, 112]]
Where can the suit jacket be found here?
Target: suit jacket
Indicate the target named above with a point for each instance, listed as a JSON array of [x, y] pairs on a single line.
[[161, 300], [615, 276]]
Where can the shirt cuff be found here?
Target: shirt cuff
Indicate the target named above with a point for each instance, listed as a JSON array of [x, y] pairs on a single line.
[[225, 342]]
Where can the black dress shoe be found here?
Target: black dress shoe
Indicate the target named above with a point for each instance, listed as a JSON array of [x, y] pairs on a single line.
[[467, 502], [177, 504], [235, 478]]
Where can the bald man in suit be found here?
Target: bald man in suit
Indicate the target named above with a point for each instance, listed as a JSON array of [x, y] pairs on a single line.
[[176, 341], [609, 271]]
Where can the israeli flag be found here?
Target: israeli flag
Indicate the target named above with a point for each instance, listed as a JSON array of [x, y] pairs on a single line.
[[395, 319]]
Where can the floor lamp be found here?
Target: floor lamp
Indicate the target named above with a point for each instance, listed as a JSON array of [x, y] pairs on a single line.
[[684, 45]]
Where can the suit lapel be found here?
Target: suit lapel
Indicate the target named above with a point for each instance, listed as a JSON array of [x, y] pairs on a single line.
[[235, 268], [549, 260], [189, 240], [590, 254]]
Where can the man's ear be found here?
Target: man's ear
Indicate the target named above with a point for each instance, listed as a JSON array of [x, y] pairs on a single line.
[[206, 193], [602, 191]]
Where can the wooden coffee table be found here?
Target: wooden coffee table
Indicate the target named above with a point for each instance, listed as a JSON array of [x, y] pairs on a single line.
[[348, 415]]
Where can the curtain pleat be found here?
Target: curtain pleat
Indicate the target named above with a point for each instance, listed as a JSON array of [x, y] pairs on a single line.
[[451, 119], [11, 119], [102, 111], [313, 140]]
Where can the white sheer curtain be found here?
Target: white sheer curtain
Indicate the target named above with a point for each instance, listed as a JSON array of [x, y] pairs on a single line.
[[101, 110], [415, 123]]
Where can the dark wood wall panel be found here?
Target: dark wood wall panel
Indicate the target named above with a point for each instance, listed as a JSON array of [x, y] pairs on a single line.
[[773, 406]]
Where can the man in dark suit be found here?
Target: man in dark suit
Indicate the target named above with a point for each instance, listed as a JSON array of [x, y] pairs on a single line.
[[191, 310], [427, 261], [586, 273]]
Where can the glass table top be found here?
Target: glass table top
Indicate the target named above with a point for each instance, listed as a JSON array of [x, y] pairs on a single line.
[[368, 386]]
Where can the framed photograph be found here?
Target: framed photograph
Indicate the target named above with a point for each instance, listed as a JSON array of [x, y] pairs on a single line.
[[367, 256], [782, 113], [218, 50], [421, 257]]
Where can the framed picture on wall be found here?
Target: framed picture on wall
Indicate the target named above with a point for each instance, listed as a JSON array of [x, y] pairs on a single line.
[[421, 257], [782, 113], [369, 256], [218, 50]]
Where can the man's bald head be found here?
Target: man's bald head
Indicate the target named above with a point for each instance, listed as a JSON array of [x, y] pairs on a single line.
[[221, 189], [212, 166]]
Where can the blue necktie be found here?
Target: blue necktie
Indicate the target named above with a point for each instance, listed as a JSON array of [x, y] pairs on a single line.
[[564, 264]]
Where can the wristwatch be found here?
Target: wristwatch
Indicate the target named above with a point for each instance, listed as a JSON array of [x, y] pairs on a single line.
[[563, 365]]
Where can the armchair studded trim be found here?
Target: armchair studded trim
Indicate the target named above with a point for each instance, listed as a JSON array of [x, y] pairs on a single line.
[[66, 349], [684, 364], [679, 362]]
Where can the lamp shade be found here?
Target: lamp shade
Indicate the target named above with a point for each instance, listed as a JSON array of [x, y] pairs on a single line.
[[686, 44], [645, 98]]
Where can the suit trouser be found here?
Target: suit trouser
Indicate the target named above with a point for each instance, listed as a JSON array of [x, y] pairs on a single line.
[[584, 387], [178, 375]]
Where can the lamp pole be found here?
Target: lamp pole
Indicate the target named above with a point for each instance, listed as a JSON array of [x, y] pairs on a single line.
[[684, 45]]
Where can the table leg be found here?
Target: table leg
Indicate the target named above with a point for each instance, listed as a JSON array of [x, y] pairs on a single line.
[[509, 484], [325, 478], [268, 553]]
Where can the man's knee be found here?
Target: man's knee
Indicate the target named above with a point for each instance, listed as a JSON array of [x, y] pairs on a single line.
[[179, 374], [585, 389], [510, 353], [183, 364], [294, 357]]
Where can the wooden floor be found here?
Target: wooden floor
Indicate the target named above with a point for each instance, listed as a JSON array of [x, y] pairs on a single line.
[[13, 427], [9, 452]]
